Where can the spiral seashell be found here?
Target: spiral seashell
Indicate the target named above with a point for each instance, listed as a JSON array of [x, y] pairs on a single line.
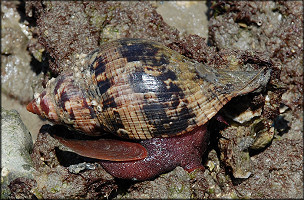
[[139, 89]]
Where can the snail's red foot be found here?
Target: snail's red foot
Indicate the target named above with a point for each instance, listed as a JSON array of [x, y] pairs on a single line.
[[164, 154]]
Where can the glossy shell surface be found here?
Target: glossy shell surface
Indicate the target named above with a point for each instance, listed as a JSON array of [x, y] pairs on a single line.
[[140, 89]]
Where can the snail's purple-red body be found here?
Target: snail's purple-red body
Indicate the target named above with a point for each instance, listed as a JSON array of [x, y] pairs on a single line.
[[142, 90], [164, 154]]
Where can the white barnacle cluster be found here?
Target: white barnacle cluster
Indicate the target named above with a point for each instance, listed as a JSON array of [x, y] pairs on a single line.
[[95, 104], [66, 118], [99, 108], [80, 62], [50, 82], [77, 73], [80, 58], [37, 99]]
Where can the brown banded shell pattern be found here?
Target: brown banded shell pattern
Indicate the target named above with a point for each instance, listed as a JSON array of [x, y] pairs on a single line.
[[140, 89]]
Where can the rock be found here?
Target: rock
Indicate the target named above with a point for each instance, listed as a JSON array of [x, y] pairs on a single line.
[[15, 150], [21, 188], [263, 135], [213, 183], [173, 185], [189, 17], [234, 150], [275, 28], [17, 78], [277, 172]]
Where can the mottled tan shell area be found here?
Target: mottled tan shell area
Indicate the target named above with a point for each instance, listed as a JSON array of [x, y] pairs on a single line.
[[140, 89]]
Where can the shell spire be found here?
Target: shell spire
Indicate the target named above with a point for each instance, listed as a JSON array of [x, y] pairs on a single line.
[[64, 102], [43, 106], [31, 107]]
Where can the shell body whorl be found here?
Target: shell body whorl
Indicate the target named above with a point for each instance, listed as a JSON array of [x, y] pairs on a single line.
[[137, 89]]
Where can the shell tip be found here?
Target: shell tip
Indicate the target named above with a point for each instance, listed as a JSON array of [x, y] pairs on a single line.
[[31, 107]]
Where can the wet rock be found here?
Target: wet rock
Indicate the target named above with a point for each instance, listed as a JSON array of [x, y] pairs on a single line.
[[275, 28], [21, 188], [189, 17], [15, 151], [238, 140], [271, 27], [173, 185], [280, 168], [75, 169], [290, 124], [263, 134], [234, 148], [213, 182], [17, 78]]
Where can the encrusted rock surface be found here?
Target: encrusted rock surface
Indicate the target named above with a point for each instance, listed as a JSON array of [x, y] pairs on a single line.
[[15, 60], [16, 146], [18, 80], [173, 185], [275, 28]]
